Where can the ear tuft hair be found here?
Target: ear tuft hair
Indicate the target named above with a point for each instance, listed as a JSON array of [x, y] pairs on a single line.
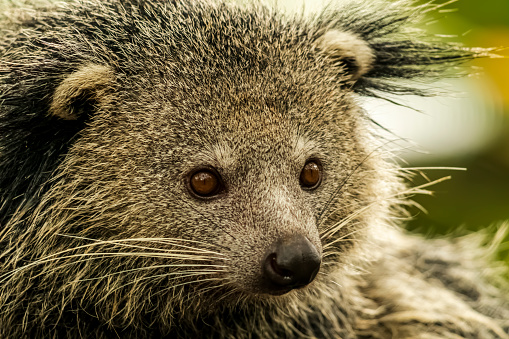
[[80, 91], [400, 50], [348, 49]]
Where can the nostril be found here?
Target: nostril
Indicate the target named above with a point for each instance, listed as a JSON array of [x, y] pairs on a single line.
[[285, 275], [276, 274], [279, 270], [292, 263]]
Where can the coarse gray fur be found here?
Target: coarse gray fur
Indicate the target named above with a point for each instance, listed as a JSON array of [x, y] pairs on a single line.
[[106, 107]]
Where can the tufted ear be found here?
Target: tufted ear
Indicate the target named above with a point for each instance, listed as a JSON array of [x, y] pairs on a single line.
[[353, 53], [81, 91]]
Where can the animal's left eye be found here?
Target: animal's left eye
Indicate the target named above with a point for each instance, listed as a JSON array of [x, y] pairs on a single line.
[[311, 175], [205, 183]]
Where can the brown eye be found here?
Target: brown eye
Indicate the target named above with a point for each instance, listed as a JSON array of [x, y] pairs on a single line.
[[311, 175], [205, 183]]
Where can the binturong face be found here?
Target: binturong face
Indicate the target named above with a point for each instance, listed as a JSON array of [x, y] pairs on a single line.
[[231, 185]]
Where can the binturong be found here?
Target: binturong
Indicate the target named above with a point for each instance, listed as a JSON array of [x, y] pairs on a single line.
[[188, 169]]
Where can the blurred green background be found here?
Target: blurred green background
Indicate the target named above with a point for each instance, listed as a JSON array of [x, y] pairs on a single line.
[[469, 129], [479, 197]]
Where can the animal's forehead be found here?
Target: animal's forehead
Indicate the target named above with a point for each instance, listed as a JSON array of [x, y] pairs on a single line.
[[226, 131], [250, 150]]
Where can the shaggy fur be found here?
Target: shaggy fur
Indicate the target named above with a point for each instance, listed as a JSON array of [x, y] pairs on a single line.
[[108, 106]]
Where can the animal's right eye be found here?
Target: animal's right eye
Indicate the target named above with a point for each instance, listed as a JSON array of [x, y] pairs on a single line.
[[205, 183]]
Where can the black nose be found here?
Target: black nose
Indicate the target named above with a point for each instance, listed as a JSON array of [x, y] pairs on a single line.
[[292, 263]]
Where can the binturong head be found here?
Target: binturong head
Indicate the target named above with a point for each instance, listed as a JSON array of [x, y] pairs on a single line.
[[180, 159], [243, 153]]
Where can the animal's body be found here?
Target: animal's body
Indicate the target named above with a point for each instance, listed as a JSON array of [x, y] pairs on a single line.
[[194, 169]]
